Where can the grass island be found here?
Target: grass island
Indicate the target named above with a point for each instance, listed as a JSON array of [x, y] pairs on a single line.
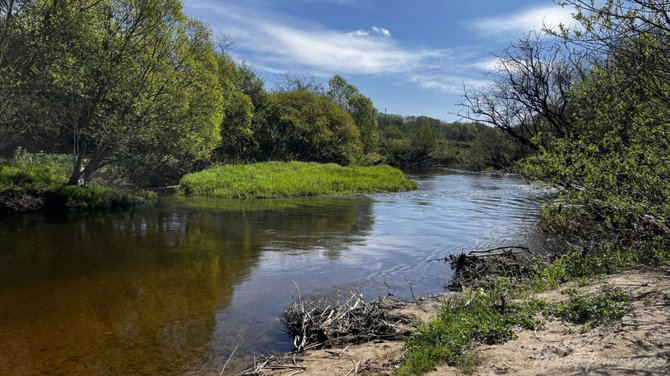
[[293, 179]]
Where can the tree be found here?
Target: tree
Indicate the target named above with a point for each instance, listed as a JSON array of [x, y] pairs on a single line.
[[613, 176], [119, 79], [341, 91], [290, 82], [305, 126], [529, 93], [237, 142], [360, 108], [423, 142]]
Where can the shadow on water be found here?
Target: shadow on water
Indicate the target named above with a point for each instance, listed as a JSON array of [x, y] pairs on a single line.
[[139, 292]]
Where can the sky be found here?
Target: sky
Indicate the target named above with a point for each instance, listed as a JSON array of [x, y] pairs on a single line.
[[409, 57]]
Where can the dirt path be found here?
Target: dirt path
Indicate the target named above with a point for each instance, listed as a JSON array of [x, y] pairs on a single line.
[[638, 345]]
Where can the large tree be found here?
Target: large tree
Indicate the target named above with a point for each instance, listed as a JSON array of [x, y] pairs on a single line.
[[613, 174], [302, 125], [119, 79]]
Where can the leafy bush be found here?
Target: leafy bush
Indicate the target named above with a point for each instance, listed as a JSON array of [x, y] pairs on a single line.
[[309, 127]]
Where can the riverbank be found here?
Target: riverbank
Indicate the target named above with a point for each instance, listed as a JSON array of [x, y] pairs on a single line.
[[31, 182], [638, 341], [293, 179], [529, 319]]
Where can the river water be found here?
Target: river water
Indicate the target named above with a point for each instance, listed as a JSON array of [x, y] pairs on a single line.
[[172, 289]]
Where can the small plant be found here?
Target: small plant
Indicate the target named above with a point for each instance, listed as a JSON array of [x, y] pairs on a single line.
[[604, 308]]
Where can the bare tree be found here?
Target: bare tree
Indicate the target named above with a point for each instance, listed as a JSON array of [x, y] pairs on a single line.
[[529, 90], [292, 82]]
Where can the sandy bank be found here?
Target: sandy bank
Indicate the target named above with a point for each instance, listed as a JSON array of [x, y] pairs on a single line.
[[639, 344]]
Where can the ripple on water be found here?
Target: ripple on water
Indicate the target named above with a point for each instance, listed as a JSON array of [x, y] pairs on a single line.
[[176, 287]]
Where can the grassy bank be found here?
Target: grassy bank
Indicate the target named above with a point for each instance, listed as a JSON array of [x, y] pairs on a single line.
[[293, 179], [488, 315], [37, 181]]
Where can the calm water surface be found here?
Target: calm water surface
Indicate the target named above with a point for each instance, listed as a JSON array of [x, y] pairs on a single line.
[[173, 288]]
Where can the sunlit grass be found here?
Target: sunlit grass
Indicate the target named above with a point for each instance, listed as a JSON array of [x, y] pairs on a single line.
[[293, 179]]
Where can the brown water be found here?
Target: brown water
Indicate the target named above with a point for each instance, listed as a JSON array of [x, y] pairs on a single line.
[[172, 289]]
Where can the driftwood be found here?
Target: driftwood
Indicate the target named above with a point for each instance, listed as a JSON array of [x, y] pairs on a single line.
[[356, 321], [479, 268]]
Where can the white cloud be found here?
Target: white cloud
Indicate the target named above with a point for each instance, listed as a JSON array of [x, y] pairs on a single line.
[[382, 31], [446, 83], [278, 41], [488, 65], [378, 31], [359, 33], [524, 21]]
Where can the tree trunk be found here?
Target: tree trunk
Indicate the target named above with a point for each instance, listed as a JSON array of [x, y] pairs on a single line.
[[75, 178]]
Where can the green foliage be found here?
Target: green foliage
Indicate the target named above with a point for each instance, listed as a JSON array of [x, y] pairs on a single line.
[[360, 108], [461, 325], [613, 174], [45, 175], [478, 317], [604, 308], [488, 316], [34, 172], [113, 80], [90, 198], [237, 141], [365, 116], [305, 126], [574, 265], [292, 179]]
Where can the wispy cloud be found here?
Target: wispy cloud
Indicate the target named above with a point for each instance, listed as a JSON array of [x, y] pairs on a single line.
[[488, 65], [281, 42], [359, 33], [446, 83], [275, 43], [374, 31], [524, 21]]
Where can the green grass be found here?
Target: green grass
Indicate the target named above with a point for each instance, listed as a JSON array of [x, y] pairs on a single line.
[[575, 265], [88, 198], [483, 316], [44, 175], [293, 179], [604, 308], [35, 172]]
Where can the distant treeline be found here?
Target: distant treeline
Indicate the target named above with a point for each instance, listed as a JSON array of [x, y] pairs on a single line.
[[422, 140]]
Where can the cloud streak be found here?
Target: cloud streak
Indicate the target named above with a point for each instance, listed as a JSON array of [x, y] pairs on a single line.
[[524, 21], [289, 43], [277, 43]]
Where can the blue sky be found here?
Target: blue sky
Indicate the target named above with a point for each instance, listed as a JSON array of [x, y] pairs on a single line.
[[409, 57]]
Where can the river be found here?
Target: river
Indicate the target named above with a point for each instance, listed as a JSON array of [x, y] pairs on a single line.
[[173, 288]]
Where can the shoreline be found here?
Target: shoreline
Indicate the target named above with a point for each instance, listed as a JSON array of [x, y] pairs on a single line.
[[638, 342]]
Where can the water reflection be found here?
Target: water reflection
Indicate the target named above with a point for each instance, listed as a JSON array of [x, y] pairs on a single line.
[[138, 293], [174, 288]]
